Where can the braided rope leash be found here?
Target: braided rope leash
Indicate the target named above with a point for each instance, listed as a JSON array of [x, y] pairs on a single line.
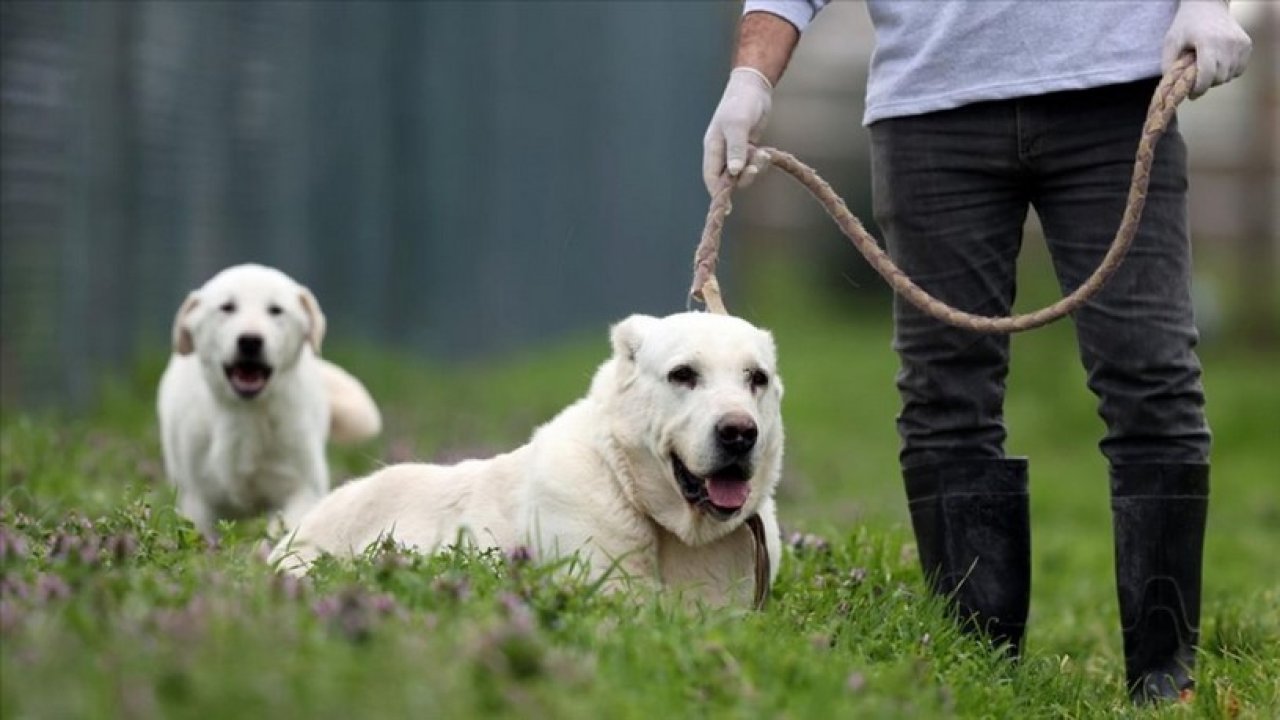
[[1171, 91]]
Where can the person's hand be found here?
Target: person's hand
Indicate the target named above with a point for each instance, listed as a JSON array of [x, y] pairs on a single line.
[[737, 122], [1222, 46]]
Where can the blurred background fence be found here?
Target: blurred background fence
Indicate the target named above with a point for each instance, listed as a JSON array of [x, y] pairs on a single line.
[[457, 179], [452, 178]]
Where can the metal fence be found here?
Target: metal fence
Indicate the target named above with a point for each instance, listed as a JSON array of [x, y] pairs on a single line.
[[451, 178]]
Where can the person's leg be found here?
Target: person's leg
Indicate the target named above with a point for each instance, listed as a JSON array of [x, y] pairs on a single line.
[[951, 201], [948, 195], [1137, 341]]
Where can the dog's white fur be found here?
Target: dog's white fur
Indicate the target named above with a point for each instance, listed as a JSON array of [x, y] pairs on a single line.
[[598, 479], [233, 457]]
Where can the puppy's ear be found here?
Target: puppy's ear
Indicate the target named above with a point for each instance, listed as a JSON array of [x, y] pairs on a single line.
[[628, 335], [315, 319], [183, 343]]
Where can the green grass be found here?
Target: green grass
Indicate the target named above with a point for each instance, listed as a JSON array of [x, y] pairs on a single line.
[[112, 606]]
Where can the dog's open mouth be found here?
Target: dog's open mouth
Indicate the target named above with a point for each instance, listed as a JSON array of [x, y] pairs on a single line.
[[720, 494], [248, 377]]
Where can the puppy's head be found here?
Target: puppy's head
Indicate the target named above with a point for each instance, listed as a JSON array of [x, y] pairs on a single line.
[[247, 324], [695, 399]]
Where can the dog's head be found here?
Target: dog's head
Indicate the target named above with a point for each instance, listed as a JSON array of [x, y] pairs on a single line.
[[247, 324], [695, 400]]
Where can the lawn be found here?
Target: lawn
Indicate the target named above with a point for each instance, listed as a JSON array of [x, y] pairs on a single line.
[[111, 605]]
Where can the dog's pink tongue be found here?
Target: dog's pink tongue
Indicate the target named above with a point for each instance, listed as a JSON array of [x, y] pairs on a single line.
[[248, 378], [728, 493]]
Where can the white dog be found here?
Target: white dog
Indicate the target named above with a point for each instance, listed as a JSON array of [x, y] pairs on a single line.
[[246, 404], [666, 469]]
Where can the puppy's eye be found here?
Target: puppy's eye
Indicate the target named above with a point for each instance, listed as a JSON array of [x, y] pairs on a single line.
[[683, 375], [274, 309], [758, 379], [227, 307]]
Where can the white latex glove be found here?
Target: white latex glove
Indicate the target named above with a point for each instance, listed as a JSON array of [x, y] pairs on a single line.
[[737, 122], [1222, 46]]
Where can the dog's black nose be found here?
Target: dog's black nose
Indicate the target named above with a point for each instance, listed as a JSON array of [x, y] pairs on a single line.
[[249, 345], [737, 433]]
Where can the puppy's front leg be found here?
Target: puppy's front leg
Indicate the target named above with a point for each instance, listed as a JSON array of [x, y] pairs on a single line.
[[295, 508], [194, 508], [315, 484]]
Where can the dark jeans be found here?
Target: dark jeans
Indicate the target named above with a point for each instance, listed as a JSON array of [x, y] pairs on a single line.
[[952, 189]]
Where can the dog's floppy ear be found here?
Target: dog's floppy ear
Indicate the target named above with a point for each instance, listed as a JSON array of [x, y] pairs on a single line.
[[627, 335], [315, 319], [183, 343]]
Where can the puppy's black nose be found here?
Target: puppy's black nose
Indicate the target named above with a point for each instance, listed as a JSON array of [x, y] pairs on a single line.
[[737, 433], [249, 345]]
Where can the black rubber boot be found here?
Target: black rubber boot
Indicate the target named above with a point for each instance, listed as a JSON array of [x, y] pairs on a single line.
[[973, 531], [1158, 512]]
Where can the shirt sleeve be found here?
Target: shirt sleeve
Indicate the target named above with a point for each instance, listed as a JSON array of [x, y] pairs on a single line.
[[797, 12]]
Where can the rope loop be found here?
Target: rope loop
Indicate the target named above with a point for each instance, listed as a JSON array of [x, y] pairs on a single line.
[[1171, 91]]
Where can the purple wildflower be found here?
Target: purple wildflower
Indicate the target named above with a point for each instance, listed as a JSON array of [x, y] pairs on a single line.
[[121, 546], [803, 542], [287, 586], [519, 556], [12, 545], [63, 545], [382, 603], [51, 587], [13, 586], [855, 682], [88, 554], [518, 612], [325, 607], [456, 588]]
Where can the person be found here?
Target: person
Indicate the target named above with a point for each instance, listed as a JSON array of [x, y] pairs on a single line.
[[977, 111]]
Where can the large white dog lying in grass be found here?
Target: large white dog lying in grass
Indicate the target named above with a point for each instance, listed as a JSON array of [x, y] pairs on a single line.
[[677, 444], [246, 403]]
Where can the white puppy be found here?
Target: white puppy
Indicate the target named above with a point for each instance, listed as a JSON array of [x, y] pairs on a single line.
[[246, 403], [677, 444]]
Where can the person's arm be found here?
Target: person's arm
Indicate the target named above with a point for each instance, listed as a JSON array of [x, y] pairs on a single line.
[[766, 41]]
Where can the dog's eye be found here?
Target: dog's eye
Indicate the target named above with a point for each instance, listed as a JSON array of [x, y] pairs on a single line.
[[227, 307], [274, 309], [683, 375], [757, 378]]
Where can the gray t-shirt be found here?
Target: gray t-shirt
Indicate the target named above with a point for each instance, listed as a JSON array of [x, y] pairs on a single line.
[[938, 54]]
